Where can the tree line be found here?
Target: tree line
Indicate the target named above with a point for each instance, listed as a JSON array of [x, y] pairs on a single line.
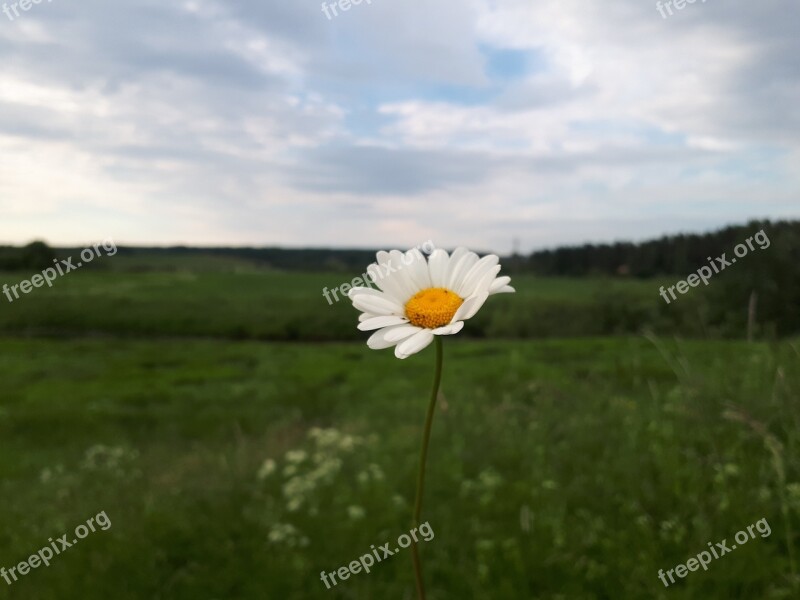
[[667, 255]]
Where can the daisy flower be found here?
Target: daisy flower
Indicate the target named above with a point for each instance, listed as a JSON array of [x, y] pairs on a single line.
[[418, 299]]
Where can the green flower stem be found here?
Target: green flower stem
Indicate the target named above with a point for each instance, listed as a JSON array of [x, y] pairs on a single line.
[[423, 459]]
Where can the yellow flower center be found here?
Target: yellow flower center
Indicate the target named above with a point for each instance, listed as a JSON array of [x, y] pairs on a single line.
[[433, 307]]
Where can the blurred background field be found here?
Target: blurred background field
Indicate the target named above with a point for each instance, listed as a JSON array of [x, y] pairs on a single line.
[[233, 162], [252, 303], [242, 438], [277, 295]]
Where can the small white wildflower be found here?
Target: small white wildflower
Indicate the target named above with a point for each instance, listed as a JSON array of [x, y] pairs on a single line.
[[267, 469], [326, 470], [356, 513], [282, 532], [296, 456], [298, 487], [376, 472], [327, 438], [490, 479]]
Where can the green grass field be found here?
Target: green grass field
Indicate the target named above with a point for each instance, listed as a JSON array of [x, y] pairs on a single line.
[[231, 466], [248, 303]]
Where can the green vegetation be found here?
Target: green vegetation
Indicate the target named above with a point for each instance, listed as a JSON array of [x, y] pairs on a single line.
[[276, 294], [232, 464], [245, 302], [35, 256], [560, 469]]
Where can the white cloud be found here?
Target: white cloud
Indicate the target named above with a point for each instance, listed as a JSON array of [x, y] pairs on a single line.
[[263, 123]]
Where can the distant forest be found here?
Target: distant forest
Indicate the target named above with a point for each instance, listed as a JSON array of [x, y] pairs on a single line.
[[668, 255], [763, 284]]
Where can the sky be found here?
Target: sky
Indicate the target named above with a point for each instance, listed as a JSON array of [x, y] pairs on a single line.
[[486, 123]]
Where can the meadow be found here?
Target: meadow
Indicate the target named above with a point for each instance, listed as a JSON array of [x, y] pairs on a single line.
[[242, 438], [236, 300]]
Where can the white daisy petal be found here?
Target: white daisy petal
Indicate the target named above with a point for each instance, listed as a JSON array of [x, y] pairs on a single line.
[[364, 290], [437, 265], [459, 270], [455, 257], [498, 283], [479, 301], [417, 268], [414, 344], [458, 253], [450, 329], [383, 257], [379, 322], [378, 341], [470, 307], [391, 263], [505, 290], [475, 274], [364, 316], [376, 305], [386, 282], [401, 333], [485, 282], [401, 277]]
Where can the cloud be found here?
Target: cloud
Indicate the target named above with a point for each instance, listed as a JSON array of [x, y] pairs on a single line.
[[206, 121]]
